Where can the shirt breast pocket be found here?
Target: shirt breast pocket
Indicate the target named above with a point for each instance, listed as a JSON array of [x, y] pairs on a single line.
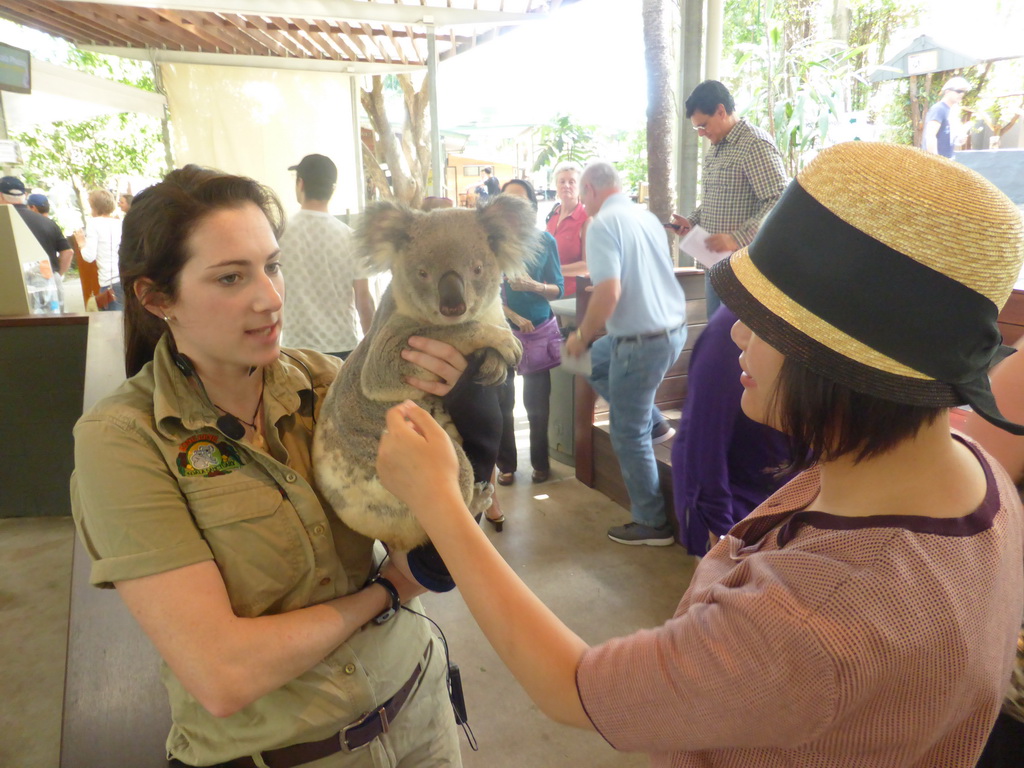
[[729, 173], [256, 541]]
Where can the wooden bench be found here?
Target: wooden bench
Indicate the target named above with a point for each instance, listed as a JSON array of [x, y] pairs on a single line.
[[596, 465]]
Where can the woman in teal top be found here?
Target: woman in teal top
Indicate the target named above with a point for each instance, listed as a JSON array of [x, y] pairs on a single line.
[[527, 305]]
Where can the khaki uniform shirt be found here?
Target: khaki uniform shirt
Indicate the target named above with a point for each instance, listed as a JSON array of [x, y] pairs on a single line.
[[157, 486]]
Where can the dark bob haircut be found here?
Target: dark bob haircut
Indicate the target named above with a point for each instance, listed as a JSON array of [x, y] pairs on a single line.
[[154, 240], [825, 420], [531, 195], [707, 96]]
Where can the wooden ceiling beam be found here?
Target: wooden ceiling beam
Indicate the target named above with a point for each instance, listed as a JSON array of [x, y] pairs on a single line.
[[284, 29], [110, 19], [221, 28], [338, 38], [247, 27], [58, 28], [351, 35], [266, 61], [277, 29], [219, 43], [367, 31], [353, 11], [398, 48], [164, 28], [314, 38], [76, 21]]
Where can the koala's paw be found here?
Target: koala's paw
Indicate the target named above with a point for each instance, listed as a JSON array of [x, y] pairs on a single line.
[[493, 368], [481, 498]]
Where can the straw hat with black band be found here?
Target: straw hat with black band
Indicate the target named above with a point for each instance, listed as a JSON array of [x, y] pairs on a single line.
[[884, 268]]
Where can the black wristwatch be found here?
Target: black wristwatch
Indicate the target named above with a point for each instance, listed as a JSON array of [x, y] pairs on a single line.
[[396, 601]]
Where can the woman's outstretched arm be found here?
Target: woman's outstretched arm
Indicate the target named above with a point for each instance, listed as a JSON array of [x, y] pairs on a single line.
[[417, 463]]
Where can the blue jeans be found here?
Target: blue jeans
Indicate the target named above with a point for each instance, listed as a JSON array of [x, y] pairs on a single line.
[[626, 373], [710, 297], [118, 303]]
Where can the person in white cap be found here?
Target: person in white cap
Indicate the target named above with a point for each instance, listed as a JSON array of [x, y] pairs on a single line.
[[938, 138]]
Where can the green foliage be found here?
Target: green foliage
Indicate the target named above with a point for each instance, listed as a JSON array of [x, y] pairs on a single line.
[[89, 154], [796, 94], [872, 25], [562, 141], [634, 166], [791, 77]]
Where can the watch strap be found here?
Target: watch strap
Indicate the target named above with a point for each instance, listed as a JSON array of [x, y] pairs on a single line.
[[396, 601]]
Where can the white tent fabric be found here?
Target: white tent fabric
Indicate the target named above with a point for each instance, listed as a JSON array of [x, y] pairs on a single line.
[[258, 122], [59, 93]]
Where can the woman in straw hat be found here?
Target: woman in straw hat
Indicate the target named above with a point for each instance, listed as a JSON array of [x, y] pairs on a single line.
[[866, 613]]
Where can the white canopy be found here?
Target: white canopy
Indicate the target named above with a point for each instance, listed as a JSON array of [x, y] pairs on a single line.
[[59, 93]]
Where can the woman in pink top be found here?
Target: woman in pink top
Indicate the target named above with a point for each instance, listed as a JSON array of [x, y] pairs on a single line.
[[867, 613], [1005, 747], [567, 224]]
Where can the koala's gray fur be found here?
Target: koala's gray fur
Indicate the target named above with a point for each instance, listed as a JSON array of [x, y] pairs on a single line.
[[446, 269]]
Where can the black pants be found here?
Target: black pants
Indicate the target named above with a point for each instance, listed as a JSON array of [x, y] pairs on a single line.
[[1005, 745], [537, 399]]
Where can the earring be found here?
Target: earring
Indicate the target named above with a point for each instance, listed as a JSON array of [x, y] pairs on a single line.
[[167, 319]]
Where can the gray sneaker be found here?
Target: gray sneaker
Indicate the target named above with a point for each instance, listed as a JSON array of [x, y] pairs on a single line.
[[662, 432], [636, 534]]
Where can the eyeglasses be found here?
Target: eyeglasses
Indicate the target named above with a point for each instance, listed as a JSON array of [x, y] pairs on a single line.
[[699, 128]]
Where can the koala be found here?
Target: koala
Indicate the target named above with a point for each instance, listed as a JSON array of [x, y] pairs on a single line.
[[446, 269]]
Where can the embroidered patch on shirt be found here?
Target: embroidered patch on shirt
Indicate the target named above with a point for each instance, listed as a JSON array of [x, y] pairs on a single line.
[[206, 456]]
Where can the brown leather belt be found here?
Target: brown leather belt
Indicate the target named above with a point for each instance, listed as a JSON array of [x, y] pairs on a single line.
[[353, 736]]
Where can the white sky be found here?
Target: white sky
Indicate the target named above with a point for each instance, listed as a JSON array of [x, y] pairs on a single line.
[[598, 46], [586, 60]]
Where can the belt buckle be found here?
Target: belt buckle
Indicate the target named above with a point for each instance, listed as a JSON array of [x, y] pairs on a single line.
[[385, 726]]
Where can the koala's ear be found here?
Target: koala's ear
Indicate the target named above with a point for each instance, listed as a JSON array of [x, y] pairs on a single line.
[[511, 226], [383, 231]]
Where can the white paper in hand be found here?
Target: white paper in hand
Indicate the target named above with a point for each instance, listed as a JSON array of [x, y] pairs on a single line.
[[693, 245], [581, 366]]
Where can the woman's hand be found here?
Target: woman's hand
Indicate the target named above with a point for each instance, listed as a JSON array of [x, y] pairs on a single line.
[[525, 283], [416, 460], [523, 324], [441, 359]]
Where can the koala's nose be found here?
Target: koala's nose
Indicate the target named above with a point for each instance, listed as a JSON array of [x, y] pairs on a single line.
[[450, 291]]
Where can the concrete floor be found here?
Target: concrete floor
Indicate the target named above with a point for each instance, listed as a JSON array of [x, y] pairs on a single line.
[[554, 537]]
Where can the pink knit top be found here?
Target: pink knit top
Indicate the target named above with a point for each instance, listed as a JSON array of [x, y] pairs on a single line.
[[807, 639]]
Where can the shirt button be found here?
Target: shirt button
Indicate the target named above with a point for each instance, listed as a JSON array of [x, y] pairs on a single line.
[[290, 477], [325, 581], [318, 530], [350, 668]]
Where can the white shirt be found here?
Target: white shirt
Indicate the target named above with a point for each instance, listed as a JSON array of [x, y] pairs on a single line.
[[319, 265], [102, 240]]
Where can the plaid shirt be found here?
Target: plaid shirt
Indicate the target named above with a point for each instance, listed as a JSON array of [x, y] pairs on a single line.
[[743, 178]]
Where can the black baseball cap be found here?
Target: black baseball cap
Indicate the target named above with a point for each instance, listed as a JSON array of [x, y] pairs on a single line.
[[317, 169], [12, 185]]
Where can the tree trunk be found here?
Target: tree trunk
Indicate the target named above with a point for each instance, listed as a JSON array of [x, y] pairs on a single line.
[[658, 57], [373, 103], [415, 135], [408, 158]]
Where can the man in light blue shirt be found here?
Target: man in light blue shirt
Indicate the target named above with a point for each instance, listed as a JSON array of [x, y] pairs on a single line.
[[639, 301]]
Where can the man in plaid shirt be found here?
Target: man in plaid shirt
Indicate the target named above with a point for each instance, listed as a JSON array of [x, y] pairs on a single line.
[[743, 175]]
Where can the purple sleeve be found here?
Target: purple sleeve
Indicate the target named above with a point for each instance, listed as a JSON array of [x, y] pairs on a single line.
[[701, 460]]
